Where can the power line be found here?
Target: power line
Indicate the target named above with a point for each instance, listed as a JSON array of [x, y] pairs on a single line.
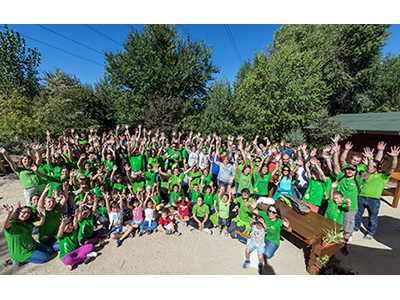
[[233, 43], [102, 34], [89, 60], [70, 39], [187, 32]]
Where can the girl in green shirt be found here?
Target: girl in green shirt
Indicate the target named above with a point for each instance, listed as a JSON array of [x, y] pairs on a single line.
[[67, 236], [18, 232]]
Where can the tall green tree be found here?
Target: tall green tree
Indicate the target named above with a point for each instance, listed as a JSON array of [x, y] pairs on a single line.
[[18, 64], [158, 62], [65, 102]]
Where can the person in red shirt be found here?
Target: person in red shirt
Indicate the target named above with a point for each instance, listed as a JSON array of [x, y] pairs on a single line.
[[183, 210], [166, 225]]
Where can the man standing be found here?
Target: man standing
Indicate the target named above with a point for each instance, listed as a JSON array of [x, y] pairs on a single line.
[[349, 183], [371, 191]]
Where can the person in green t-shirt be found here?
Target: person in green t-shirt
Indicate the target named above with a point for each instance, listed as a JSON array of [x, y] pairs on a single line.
[[194, 192], [371, 191], [241, 222], [67, 237], [200, 217], [224, 203], [117, 185], [244, 176], [262, 177], [86, 222], [337, 205], [175, 192], [316, 185], [18, 227]]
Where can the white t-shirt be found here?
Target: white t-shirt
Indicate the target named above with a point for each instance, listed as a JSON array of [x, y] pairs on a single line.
[[149, 214]]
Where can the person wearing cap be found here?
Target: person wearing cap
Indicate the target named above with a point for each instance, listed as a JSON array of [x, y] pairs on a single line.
[[370, 194], [349, 184]]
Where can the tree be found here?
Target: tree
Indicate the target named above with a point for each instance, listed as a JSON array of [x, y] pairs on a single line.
[[65, 102], [347, 52], [158, 62], [18, 65]]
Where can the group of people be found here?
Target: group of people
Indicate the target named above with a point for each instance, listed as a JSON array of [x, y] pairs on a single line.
[[82, 189]]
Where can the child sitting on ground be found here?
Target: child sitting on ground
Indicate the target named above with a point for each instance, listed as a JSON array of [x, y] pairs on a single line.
[[183, 210], [86, 234], [149, 223], [137, 214], [200, 217], [117, 229], [166, 225], [256, 241], [70, 252]]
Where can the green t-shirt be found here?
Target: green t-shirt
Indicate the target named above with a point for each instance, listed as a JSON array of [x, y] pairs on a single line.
[[175, 179], [194, 196], [97, 191], [172, 152], [274, 230], [54, 169], [335, 212], [173, 196], [153, 160], [315, 191], [51, 223], [109, 164], [119, 187], [261, 184], [200, 211], [86, 227], [245, 181], [349, 189], [136, 162], [157, 198], [150, 177], [241, 167], [103, 211], [68, 242], [245, 213], [20, 242], [374, 185], [138, 183], [207, 179], [224, 209], [196, 178], [28, 178], [208, 199]]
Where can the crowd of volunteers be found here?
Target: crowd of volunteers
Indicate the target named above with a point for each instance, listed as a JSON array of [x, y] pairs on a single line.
[[81, 190]]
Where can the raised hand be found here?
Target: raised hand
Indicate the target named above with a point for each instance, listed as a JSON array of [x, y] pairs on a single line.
[[8, 209], [335, 184], [336, 138], [381, 146], [394, 151], [335, 147], [2, 150], [368, 153], [286, 223], [348, 146], [64, 219]]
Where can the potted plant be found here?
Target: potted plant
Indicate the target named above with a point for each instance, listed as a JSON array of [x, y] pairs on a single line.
[[332, 237], [322, 261]]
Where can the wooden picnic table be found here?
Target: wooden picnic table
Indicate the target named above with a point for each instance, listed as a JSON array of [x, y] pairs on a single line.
[[396, 195], [309, 229]]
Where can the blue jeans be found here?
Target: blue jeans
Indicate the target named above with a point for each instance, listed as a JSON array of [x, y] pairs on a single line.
[[52, 243], [145, 225], [372, 205], [40, 255], [226, 184], [270, 248]]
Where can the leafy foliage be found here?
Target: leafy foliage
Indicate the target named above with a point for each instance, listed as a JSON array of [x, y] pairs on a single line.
[[18, 65], [296, 136]]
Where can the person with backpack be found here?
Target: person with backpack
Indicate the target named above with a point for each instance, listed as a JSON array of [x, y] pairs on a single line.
[[371, 191], [349, 184]]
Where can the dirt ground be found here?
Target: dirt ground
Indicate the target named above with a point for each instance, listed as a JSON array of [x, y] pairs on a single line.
[[196, 253]]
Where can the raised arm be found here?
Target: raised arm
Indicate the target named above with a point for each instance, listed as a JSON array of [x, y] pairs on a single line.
[[343, 157], [8, 159], [394, 152], [336, 167]]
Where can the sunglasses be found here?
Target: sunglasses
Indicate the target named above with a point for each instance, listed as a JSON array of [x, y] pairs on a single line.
[[25, 212], [272, 211]]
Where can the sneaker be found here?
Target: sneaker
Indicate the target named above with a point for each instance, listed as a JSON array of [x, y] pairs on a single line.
[[141, 232], [92, 254], [148, 231], [168, 232], [219, 232], [350, 238], [89, 257], [191, 228], [156, 230], [70, 267], [130, 235], [207, 230], [260, 268], [246, 264], [368, 237], [118, 242], [184, 223], [17, 264], [226, 234], [344, 250], [177, 233]]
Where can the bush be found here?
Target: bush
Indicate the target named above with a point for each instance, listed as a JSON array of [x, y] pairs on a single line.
[[296, 136]]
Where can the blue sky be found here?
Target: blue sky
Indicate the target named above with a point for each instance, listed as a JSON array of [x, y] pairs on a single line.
[[248, 38]]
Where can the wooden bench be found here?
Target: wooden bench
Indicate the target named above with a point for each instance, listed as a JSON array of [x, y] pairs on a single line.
[[396, 195], [309, 229]]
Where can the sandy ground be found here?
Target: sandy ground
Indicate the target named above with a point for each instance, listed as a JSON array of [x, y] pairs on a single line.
[[196, 253]]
